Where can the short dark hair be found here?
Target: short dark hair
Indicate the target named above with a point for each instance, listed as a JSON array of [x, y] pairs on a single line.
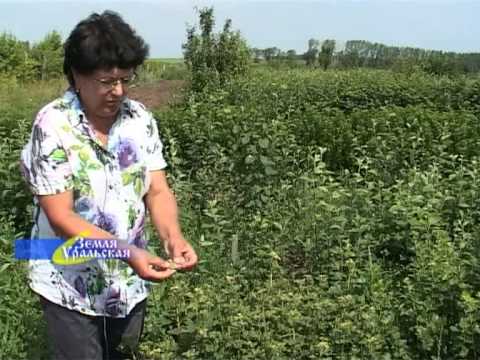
[[102, 42]]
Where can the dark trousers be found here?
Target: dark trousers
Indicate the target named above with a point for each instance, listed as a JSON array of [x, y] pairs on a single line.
[[78, 336]]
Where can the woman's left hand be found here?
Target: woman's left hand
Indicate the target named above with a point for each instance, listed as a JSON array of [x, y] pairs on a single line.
[[183, 254]]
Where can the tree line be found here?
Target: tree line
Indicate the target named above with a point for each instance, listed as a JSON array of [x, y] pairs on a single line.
[[26, 61], [217, 56], [360, 53]]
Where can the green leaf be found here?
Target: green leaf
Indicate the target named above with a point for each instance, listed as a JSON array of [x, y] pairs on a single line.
[[270, 171], [59, 155], [266, 161], [264, 143], [83, 155], [249, 159], [138, 186], [94, 166], [127, 178], [131, 217]]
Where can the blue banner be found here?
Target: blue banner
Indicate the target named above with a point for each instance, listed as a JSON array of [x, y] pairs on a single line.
[[36, 249], [73, 251]]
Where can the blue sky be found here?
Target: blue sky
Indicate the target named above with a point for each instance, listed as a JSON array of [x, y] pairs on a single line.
[[448, 25]]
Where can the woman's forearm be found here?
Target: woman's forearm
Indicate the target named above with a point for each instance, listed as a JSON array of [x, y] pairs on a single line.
[[164, 214], [72, 224]]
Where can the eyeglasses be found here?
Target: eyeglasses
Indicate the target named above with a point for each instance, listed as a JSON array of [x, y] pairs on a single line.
[[110, 84]]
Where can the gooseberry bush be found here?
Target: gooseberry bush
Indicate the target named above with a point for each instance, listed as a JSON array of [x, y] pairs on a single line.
[[336, 215]]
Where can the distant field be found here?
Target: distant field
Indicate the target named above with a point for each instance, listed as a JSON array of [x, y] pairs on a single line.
[[167, 60], [163, 68]]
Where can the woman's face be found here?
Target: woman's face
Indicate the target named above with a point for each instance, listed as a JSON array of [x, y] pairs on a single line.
[[102, 92]]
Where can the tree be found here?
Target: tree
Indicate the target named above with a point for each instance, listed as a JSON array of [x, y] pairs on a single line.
[[15, 58], [258, 54], [291, 56], [350, 57], [311, 55], [271, 53], [48, 54], [326, 53], [214, 58]]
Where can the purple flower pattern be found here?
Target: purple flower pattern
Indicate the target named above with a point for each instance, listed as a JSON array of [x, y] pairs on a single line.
[[139, 239], [106, 222], [84, 204], [80, 286], [127, 153]]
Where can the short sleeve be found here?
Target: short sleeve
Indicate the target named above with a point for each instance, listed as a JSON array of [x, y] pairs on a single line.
[[154, 147], [44, 162]]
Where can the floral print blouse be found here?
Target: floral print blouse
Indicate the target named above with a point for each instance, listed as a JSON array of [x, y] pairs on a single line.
[[108, 185]]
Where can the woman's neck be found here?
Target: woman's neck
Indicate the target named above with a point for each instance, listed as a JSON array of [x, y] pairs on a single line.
[[102, 125]]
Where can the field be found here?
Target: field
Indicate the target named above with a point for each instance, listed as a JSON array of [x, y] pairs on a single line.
[[336, 215], [167, 60], [167, 69]]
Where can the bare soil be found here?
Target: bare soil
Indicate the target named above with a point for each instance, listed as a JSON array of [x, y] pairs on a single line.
[[158, 95]]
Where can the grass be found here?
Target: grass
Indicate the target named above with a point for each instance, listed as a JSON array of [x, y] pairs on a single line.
[[167, 60]]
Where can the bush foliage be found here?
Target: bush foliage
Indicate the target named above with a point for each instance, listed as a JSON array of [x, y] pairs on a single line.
[[214, 58], [335, 213]]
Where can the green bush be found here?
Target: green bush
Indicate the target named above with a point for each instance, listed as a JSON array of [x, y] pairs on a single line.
[[335, 214], [214, 58]]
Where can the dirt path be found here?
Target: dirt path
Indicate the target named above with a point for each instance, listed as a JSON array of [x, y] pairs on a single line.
[[158, 95]]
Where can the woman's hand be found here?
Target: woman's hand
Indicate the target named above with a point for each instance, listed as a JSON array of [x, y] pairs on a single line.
[[147, 266], [182, 253], [162, 207]]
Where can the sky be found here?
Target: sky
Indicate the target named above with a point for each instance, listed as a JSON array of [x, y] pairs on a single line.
[[448, 25]]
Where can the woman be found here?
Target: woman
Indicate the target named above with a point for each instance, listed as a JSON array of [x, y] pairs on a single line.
[[94, 164]]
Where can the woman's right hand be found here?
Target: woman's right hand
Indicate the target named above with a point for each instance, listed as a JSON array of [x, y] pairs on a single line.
[[148, 266]]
